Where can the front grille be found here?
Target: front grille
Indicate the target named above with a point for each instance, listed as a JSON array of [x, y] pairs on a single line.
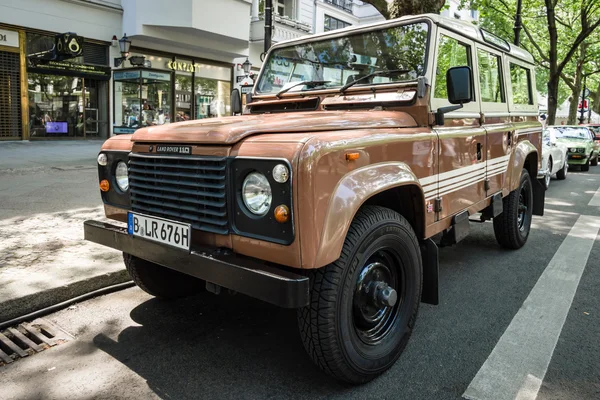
[[187, 189]]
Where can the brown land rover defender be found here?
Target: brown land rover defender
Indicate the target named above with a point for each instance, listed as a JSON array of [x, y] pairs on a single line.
[[359, 152]]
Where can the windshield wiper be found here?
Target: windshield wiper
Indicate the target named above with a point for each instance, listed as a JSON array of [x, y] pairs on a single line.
[[389, 72], [301, 83]]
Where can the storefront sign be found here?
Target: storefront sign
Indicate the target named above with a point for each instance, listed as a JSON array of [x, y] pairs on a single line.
[[121, 130], [9, 38], [160, 76], [71, 69], [124, 75], [183, 66]]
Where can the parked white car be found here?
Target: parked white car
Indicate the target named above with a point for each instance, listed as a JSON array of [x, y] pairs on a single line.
[[554, 158]]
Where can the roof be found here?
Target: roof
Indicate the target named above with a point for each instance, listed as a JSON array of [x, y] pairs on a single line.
[[461, 27]]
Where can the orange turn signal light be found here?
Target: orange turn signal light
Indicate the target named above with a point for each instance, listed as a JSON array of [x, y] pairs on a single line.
[[352, 156], [282, 214], [104, 185]]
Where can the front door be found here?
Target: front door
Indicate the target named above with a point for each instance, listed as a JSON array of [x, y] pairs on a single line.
[[462, 141]]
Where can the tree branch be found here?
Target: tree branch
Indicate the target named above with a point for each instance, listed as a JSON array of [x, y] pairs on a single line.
[[543, 56], [381, 6]]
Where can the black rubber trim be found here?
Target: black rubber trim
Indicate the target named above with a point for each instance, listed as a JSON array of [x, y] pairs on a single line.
[[241, 274]]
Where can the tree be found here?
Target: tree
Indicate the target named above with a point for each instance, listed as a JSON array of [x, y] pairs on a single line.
[[398, 8]]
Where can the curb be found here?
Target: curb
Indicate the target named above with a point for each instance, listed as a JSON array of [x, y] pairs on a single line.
[[27, 304]]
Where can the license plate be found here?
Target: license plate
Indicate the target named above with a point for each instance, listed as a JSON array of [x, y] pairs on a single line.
[[159, 230]]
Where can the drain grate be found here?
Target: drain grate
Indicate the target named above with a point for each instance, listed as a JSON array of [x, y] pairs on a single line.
[[29, 338]]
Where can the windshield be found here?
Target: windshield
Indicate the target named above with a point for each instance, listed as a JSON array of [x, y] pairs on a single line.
[[345, 59], [570, 132]]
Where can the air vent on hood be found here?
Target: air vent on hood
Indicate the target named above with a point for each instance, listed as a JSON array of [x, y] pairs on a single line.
[[305, 104]]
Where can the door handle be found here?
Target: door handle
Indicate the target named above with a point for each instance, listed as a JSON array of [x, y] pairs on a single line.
[[479, 151]]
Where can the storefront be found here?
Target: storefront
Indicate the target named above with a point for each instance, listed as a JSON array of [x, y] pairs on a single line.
[[169, 89], [41, 98]]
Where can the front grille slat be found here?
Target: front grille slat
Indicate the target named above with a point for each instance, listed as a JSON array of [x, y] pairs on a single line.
[[179, 174], [185, 199], [167, 165], [188, 189]]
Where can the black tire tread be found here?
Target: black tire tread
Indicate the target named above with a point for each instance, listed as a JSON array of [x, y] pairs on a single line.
[[318, 337], [560, 175], [504, 225]]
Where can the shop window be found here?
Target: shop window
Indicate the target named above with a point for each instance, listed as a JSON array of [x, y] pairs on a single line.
[[334, 23], [451, 53], [490, 77], [520, 79]]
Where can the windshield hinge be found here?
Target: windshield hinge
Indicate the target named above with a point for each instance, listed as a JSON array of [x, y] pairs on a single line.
[[421, 86]]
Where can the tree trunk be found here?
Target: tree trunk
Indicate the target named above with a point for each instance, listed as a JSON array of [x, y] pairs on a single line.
[[554, 76], [595, 96], [576, 92]]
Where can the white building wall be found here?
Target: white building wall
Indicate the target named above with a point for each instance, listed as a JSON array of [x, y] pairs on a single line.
[[452, 11]]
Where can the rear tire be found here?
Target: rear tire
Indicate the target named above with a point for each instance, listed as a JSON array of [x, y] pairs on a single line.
[[349, 330], [548, 176], [562, 173], [160, 281], [512, 226]]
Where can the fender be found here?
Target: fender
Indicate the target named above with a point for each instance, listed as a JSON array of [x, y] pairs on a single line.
[[118, 143], [524, 154], [351, 192], [522, 151]]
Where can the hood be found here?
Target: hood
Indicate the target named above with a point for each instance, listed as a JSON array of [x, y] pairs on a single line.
[[574, 142], [229, 130]]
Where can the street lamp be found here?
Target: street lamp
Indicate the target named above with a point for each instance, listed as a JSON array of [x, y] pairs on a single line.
[[124, 45], [246, 66]]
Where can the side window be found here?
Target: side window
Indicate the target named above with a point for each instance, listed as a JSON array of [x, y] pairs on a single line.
[[490, 77], [520, 79], [451, 53]]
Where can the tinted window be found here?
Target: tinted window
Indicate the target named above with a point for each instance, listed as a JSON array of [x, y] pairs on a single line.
[[451, 53], [520, 79], [490, 77]]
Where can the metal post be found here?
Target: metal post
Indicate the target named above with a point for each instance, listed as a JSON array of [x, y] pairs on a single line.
[[517, 27], [581, 117], [268, 24]]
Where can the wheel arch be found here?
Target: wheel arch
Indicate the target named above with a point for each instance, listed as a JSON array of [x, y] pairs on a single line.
[[526, 157], [391, 185]]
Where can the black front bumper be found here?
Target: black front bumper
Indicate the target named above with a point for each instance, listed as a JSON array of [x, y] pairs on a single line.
[[241, 274]]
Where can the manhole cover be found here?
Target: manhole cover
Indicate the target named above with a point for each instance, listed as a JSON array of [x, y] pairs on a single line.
[[29, 338]]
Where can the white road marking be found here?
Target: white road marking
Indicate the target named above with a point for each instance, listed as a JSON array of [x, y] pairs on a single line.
[[516, 367], [595, 201]]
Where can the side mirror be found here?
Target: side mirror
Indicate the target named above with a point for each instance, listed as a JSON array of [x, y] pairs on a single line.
[[459, 82], [236, 102], [459, 85], [596, 137]]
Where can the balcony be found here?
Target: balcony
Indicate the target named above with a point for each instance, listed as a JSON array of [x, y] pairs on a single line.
[[345, 5], [284, 28]]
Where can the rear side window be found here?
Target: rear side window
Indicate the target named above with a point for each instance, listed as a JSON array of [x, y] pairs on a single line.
[[490, 77], [451, 53], [520, 79]]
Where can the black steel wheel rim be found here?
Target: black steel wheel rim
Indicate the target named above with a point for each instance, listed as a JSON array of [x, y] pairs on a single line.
[[373, 318], [522, 214]]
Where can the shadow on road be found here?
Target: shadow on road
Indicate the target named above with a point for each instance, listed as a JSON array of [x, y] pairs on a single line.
[[218, 347]]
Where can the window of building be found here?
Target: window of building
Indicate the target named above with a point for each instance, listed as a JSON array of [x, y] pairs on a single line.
[[345, 5], [334, 23], [490, 77], [456, 15], [451, 53], [520, 79]]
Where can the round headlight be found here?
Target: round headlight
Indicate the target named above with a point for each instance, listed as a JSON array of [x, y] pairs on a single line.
[[121, 176], [281, 173], [256, 193], [102, 159]]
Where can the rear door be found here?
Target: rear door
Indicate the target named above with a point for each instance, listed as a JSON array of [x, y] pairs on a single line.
[[462, 141], [495, 117]]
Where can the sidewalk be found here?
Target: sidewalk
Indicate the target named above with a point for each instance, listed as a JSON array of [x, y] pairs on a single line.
[[47, 190]]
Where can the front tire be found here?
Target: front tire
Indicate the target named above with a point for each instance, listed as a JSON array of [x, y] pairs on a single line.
[[585, 167], [512, 226], [562, 174], [594, 161], [355, 328], [160, 281]]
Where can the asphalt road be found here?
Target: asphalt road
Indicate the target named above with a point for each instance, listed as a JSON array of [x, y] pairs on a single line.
[[129, 345]]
